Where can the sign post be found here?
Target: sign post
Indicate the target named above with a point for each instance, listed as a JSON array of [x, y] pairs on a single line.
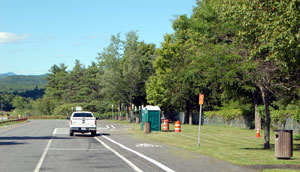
[[201, 101], [112, 111]]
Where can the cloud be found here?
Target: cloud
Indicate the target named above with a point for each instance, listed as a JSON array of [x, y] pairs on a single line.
[[6, 37]]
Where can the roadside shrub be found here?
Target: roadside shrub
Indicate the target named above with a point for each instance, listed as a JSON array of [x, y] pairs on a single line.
[[234, 110], [65, 109], [280, 115], [106, 115], [226, 114]]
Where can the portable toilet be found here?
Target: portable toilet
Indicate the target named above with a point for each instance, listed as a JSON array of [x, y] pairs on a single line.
[[151, 114]]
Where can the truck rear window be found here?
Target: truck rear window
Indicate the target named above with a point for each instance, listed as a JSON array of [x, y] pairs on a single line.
[[82, 115]]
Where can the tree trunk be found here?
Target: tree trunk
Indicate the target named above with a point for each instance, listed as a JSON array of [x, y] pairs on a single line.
[[120, 107], [190, 118], [257, 115], [186, 116], [265, 97], [127, 113]]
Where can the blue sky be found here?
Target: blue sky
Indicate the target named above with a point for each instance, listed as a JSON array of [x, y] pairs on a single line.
[[36, 34]]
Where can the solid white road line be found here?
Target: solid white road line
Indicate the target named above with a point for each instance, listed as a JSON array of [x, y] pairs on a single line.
[[54, 132], [113, 126], [38, 166], [160, 165], [135, 168]]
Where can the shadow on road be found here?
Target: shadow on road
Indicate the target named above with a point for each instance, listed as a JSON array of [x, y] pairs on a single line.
[[104, 134], [10, 143], [98, 134], [31, 138]]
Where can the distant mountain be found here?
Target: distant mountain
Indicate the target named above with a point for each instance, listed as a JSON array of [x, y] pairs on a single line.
[[21, 83], [7, 74]]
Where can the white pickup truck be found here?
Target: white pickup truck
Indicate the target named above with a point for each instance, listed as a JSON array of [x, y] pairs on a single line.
[[83, 122]]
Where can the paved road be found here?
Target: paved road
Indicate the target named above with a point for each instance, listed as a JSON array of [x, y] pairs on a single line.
[[44, 145]]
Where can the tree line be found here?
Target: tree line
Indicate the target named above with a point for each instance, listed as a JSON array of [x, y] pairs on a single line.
[[242, 55], [21, 83]]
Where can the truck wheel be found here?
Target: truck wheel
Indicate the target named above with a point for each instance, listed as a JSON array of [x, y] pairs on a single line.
[[71, 133], [93, 133]]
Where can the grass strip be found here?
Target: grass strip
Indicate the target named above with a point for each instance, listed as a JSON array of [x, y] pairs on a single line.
[[280, 170], [236, 145], [10, 123]]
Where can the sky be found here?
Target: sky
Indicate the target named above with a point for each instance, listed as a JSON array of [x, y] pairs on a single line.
[[36, 34]]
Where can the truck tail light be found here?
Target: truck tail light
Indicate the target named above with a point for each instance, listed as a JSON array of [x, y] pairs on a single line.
[[71, 122], [95, 122]]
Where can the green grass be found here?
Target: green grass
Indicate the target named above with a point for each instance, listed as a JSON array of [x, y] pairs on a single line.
[[236, 145], [125, 122], [280, 170], [10, 123]]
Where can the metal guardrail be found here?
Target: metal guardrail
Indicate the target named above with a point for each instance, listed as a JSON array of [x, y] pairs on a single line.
[[14, 120]]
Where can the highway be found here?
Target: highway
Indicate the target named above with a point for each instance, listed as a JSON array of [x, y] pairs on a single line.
[[45, 145]]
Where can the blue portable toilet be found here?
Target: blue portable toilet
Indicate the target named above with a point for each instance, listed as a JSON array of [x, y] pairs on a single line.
[[151, 114]]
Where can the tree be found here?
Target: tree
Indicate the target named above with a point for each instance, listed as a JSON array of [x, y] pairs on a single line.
[[109, 62], [270, 30], [19, 103], [92, 77], [57, 81], [6, 101], [77, 90], [171, 83], [191, 61], [46, 105], [126, 66]]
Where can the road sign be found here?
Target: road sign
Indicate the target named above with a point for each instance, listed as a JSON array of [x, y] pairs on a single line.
[[201, 99], [78, 108]]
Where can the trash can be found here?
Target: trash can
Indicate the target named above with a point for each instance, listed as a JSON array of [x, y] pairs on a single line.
[[283, 144], [147, 127]]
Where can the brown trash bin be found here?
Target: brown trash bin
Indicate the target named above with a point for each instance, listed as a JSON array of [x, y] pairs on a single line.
[[147, 128], [283, 144]]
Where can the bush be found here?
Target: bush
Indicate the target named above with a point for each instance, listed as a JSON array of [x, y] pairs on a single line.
[[65, 110], [106, 115], [280, 115], [227, 114]]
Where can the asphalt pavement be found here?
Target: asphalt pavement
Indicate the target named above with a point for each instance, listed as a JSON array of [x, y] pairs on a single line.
[[45, 145]]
